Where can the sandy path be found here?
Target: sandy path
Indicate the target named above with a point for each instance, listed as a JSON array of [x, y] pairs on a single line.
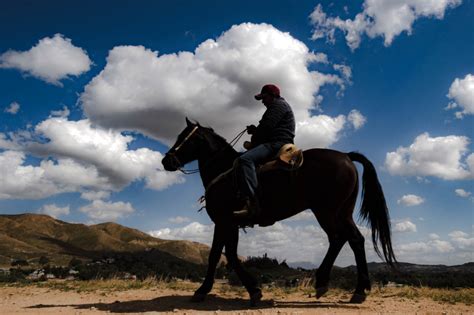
[[34, 300]]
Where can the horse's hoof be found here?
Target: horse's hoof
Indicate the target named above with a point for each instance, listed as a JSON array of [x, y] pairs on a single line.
[[198, 297], [358, 298], [255, 298], [321, 291]]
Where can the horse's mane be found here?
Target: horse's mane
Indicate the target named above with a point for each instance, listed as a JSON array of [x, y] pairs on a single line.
[[219, 140]]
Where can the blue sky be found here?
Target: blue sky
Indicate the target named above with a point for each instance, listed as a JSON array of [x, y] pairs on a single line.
[[93, 94]]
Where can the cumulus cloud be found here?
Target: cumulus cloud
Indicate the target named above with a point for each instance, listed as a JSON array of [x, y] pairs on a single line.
[[105, 149], [462, 240], [61, 112], [179, 220], [140, 90], [405, 226], [442, 157], [433, 236], [77, 157], [386, 18], [20, 181], [51, 60], [356, 119], [432, 246], [345, 71], [277, 241], [107, 211], [462, 193], [410, 200], [461, 92], [13, 108], [54, 210], [458, 249], [95, 195], [302, 216]]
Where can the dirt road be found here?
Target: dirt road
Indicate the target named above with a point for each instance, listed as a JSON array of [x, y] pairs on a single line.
[[47, 300]]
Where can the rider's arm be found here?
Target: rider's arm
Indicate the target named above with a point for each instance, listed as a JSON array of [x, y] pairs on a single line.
[[270, 119]]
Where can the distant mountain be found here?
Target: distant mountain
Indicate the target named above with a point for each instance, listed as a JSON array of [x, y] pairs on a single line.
[[30, 236], [403, 266], [302, 264]]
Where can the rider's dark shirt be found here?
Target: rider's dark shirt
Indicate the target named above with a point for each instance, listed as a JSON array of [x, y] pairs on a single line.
[[277, 124]]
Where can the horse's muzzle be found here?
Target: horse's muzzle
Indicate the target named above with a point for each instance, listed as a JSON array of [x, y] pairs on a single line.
[[170, 162]]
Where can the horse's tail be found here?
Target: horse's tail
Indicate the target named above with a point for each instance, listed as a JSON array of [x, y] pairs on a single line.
[[374, 209]]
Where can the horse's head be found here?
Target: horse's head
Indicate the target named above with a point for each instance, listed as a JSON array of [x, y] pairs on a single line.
[[185, 149]]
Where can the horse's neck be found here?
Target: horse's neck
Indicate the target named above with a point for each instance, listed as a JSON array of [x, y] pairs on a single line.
[[214, 162]]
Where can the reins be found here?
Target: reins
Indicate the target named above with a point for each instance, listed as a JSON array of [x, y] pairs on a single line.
[[232, 143]]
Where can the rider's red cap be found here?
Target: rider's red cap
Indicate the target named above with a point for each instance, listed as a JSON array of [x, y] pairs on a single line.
[[270, 89]]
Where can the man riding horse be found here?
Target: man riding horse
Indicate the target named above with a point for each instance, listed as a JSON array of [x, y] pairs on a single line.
[[276, 128]]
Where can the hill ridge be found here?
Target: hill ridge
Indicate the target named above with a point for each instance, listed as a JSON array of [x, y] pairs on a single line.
[[28, 236]]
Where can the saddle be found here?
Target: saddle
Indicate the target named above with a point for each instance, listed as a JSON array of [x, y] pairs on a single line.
[[289, 158]]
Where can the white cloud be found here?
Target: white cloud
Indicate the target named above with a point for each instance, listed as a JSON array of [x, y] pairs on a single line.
[[356, 119], [194, 231], [53, 210], [410, 200], [319, 131], [417, 249], [19, 181], [433, 236], [52, 59], [179, 220], [346, 71], [61, 113], [462, 240], [462, 193], [107, 211], [442, 246], [405, 226], [461, 93], [387, 18], [140, 90], [13, 108], [84, 157], [458, 234], [277, 241], [321, 58], [302, 216], [440, 157], [95, 195], [104, 149]]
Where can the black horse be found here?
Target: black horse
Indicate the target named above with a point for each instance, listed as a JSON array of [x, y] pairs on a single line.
[[327, 183]]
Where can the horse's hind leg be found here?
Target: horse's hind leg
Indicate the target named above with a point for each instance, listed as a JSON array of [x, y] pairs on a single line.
[[336, 242], [356, 241], [214, 257], [249, 282]]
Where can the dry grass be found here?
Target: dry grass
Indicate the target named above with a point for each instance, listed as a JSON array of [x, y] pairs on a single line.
[[113, 285], [451, 296]]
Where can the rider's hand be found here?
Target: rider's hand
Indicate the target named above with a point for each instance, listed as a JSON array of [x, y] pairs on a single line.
[[251, 129], [248, 145]]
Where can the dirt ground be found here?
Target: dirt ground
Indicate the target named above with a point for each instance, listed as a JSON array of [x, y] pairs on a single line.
[[46, 300]]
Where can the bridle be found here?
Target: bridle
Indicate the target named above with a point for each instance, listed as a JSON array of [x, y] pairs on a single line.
[[186, 139], [187, 172], [173, 154]]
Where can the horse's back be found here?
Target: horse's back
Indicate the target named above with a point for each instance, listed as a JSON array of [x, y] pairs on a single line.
[[324, 176]]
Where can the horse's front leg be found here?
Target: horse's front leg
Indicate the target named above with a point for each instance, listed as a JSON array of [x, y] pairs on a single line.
[[214, 257], [249, 282]]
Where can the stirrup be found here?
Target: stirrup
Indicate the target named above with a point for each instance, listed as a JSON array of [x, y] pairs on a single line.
[[241, 213]]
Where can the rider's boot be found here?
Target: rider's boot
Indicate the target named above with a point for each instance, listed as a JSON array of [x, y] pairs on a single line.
[[250, 208]]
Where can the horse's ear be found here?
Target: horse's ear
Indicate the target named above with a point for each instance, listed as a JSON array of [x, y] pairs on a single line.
[[188, 122]]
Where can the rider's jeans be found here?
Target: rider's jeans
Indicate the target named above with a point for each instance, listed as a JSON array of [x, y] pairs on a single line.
[[246, 175]]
